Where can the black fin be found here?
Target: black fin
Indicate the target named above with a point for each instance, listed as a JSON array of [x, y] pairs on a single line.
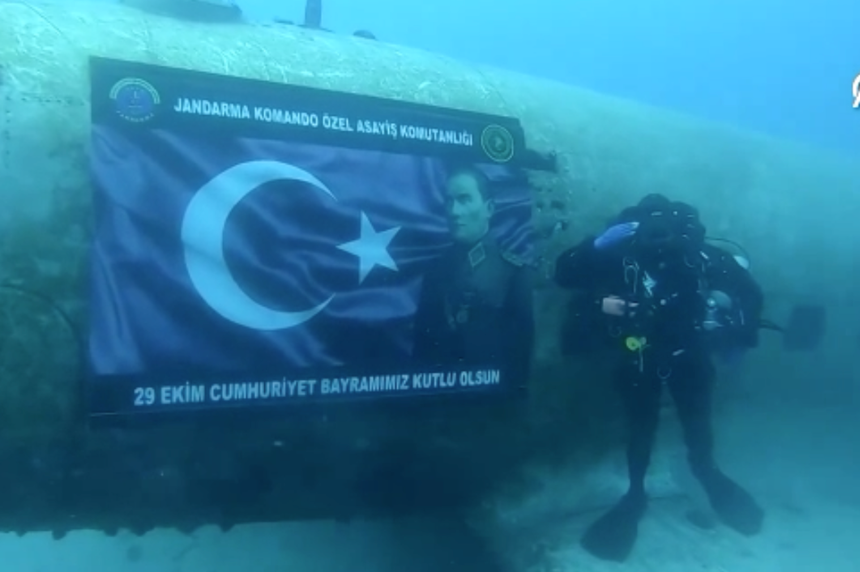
[[613, 535], [805, 329]]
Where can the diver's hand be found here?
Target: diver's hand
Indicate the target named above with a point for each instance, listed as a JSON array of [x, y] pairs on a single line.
[[615, 234], [615, 306]]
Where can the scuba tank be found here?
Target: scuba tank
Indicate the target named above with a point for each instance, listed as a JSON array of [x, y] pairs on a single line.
[[718, 306]]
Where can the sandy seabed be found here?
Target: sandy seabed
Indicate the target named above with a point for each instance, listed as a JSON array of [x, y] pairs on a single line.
[[802, 465]]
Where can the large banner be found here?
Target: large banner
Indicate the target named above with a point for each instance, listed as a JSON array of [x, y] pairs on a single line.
[[260, 244]]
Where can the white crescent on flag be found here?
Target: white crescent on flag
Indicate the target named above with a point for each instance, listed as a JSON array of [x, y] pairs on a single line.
[[203, 238]]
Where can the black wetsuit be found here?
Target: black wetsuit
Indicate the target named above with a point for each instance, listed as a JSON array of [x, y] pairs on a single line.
[[669, 291], [664, 339]]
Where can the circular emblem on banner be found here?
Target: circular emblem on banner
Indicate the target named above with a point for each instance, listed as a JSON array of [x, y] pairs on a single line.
[[497, 143], [135, 99]]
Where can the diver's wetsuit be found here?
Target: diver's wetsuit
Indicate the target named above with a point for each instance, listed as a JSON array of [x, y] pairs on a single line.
[[666, 338]]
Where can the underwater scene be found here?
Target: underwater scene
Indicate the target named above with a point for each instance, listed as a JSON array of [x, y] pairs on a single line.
[[482, 286]]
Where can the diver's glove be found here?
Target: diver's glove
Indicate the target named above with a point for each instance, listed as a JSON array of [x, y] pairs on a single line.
[[615, 234], [615, 306]]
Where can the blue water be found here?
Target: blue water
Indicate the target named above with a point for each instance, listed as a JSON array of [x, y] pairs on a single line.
[[783, 67]]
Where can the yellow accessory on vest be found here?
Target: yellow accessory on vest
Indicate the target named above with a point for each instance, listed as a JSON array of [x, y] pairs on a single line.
[[635, 344]]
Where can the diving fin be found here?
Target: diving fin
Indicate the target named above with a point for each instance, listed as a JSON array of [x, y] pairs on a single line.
[[805, 329], [613, 535], [733, 505]]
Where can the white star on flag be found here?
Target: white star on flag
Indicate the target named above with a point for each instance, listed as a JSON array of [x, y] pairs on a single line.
[[371, 248]]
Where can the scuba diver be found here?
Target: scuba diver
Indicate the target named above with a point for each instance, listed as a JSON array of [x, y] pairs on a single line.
[[651, 288]]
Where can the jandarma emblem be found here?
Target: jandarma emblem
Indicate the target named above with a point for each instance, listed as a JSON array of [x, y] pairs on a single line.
[[497, 143], [135, 100]]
